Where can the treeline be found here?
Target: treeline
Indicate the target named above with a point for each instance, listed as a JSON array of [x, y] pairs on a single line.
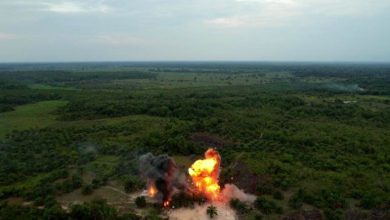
[[177, 106], [347, 113], [13, 95], [58, 76], [373, 79]]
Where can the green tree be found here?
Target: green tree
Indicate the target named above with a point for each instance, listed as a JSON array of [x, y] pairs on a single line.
[[97, 210], [140, 202], [211, 211], [131, 184], [239, 206], [267, 206], [87, 189]]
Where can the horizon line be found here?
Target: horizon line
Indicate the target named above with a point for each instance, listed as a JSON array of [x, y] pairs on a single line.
[[196, 61]]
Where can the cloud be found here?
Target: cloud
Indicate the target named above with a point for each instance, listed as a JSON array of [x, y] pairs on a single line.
[[61, 6], [7, 36], [345, 8], [227, 22], [120, 40], [276, 13], [196, 29], [260, 13], [76, 7]]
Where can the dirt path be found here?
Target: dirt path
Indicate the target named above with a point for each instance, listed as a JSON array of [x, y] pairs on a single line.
[[116, 190]]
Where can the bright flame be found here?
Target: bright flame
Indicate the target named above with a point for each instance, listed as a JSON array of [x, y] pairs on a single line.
[[152, 191], [205, 174]]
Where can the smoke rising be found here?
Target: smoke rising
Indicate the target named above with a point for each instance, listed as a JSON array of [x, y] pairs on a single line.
[[160, 172], [163, 180], [343, 87], [225, 212], [231, 191]]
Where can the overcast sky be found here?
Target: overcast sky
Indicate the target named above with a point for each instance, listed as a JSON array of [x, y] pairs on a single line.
[[134, 30]]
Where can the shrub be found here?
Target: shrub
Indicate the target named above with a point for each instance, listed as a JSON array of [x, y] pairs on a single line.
[[239, 206], [258, 217], [129, 216], [267, 206], [140, 202], [132, 184], [296, 201], [332, 214], [76, 181], [182, 200], [372, 199], [97, 209], [278, 195], [87, 189], [96, 183], [264, 190]]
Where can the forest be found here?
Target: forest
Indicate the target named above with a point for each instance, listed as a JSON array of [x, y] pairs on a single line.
[[308, 140]]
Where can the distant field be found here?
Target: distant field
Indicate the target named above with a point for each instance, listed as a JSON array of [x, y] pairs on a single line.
[[49, 87], [37, 115]]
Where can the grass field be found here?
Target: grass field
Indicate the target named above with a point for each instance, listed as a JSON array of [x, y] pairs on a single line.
[[37, 115], [103, 166], [49, 87]]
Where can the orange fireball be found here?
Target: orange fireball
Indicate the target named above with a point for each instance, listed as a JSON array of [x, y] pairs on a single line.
[[152, 191], [166, 204], [205, 174]]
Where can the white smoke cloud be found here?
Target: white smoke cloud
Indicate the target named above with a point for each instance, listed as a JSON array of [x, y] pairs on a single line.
[[225, 212], [200, 212], [231, 191]]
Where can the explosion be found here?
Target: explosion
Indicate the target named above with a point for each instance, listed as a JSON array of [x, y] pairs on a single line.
[[163, 181], [160, 172], [205, 174]]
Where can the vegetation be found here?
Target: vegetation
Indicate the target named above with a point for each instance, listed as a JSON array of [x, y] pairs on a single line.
[[37, 115], [267, 206], [212, 211], [140, 201], [239, 206], [294, 135], [95, 210]]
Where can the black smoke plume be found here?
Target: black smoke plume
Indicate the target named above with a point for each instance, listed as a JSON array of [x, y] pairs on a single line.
[[161, 171]]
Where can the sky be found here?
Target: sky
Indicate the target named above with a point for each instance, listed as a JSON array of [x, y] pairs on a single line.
[[194, 30]]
